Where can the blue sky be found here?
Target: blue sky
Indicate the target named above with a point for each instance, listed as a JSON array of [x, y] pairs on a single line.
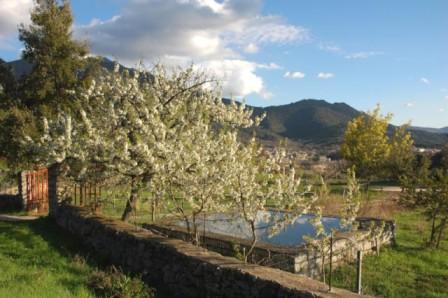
[[278, 51]]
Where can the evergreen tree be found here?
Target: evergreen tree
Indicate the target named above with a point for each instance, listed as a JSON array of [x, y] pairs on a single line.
[[58, 61], [59, 67]]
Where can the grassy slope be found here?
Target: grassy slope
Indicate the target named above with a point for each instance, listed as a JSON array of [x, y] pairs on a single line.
[[37, 259], [407, 270]]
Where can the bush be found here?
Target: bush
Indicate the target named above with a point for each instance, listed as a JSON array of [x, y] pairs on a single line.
[[114, 284]]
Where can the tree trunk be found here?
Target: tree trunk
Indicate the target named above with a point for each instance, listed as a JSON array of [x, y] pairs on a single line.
[[367, 188], [153, 210], [433, 230], [323, 266], [132, 202], [254, 240], [195, 235], [441, 228]]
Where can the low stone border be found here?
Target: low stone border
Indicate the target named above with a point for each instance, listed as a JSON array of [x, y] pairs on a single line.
[[183, 269], [296, 260]]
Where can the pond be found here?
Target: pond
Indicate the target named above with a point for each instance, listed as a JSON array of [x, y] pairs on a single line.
[[291, 234]]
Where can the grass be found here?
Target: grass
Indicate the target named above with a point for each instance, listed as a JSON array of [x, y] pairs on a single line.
[[410, 269], [37, 259]]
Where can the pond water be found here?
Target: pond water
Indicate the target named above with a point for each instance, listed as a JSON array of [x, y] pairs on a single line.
[[291, 234]]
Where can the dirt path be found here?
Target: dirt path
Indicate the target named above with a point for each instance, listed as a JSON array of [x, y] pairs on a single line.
[[387, 188], [7, 217]]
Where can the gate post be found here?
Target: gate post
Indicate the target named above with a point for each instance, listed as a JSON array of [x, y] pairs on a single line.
[[53, 172], [22, 189]]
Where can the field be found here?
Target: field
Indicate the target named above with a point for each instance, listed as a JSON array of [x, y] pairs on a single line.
[[410, 269], [38, 259]]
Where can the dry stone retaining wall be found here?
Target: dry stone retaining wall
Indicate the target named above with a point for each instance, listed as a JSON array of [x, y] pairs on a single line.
[[182, 268]]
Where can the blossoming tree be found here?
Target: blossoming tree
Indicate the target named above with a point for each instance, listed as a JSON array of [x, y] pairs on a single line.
[[140, 125]]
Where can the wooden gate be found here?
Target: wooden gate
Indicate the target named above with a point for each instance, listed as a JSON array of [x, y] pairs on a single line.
[[37, 190]]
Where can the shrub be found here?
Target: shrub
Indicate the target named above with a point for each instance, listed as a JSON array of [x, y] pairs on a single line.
[[113, 283]]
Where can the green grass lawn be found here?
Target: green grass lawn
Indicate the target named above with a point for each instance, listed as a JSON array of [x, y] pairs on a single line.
[[37, 259], [408, 270]]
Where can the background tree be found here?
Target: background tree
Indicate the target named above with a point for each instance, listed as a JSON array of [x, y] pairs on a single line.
[[401, 152], [440, 159], [368, 147], [58, 61], [428, 191]]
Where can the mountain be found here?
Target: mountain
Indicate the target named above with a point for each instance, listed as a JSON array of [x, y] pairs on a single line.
[[19, 67], [443, 130], [309, 121], [22, 67], [314, 121], [319, 122]]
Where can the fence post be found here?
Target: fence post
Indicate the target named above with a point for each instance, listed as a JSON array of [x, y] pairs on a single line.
[[53, 172], [22, 189], [359, 273], [331, 263]]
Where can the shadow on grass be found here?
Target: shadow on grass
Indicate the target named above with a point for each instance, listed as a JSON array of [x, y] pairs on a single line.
[[61, 242]]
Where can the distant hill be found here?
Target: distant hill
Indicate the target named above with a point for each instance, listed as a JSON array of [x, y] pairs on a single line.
[[22, 67], [314, 121], [309, 121], [19, 67], [319, 122], [443, 130]]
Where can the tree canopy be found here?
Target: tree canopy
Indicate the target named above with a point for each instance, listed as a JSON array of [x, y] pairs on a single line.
[[58, 61], [368, 147]]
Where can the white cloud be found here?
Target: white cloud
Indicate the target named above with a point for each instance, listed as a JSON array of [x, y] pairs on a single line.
[[237, 77], [443, 90], [446, 97], [441, 110], [270, 66], [251, 48], [325, 75], [330, 48], [363, 55], [410, 104], [12, 14], [199, 31], [294, 75], [425, 81]]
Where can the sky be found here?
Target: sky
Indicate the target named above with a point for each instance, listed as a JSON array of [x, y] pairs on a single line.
[[272, 52]]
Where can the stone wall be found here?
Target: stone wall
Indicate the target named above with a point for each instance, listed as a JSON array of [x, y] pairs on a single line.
[[296, 260], [263, 253], [183, 269]]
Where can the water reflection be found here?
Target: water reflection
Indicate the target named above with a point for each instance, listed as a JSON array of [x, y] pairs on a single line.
[[291, 233]]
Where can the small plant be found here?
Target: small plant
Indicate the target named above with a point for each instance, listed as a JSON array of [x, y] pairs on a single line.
[[113, 283], [238, 253]]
